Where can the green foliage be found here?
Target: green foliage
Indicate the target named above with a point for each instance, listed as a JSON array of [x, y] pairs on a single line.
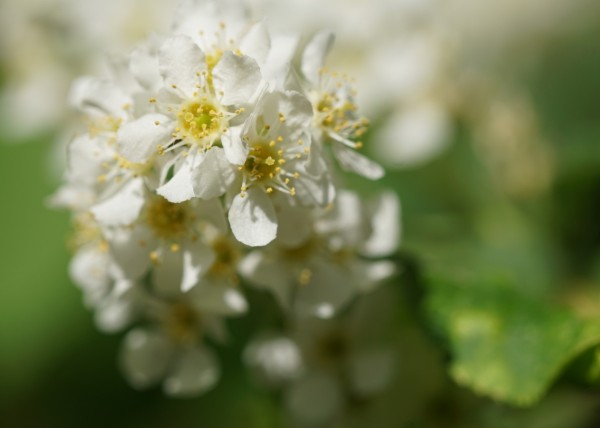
[[506, 345]]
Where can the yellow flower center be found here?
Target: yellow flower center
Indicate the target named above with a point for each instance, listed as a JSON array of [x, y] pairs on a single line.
[[182, 323], [168, 220], [264, 161], [199, 120], [227, 256]]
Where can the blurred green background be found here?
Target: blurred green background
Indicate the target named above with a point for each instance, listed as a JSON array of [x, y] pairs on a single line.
[[57, 370]]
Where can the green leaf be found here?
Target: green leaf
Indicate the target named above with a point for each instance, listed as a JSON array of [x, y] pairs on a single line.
[[506, 345]]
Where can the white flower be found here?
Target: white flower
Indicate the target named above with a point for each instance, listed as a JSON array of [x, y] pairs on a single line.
[[172, 351], [278, 163], [335, 112], [330, 362], [202, 97], [148, 357], [142, 229], [413, 136], [200, 144], [315, 268], [275, 359]]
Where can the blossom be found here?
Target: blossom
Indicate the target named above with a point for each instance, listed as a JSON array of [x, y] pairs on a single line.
[[171, 349], [330, 362], [335, 110], [316, 269], [205, 165]]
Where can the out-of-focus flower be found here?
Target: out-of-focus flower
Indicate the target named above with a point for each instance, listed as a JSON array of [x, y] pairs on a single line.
[[45, 44], [315, 268], [337, 362]]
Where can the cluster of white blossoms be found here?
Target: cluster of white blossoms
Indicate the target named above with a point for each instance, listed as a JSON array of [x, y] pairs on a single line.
[[210, 163]]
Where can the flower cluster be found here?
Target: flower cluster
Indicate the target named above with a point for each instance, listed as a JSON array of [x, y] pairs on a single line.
[[210, 163]]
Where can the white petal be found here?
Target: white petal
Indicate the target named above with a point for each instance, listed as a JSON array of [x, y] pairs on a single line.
[[327, 291], [345, 219], [352, 161], [252, 218], [122, 208], [179, 188], [237, 78], [194, 15], [195, 371], [385, 226], [315, 53], [267, 273], [180, 63], [295, 224], [219, 297], [130, 249], [168, 272], [144, 67], [85, 158], [370, 274], [314, 185], [139, 140], [197, 259], [212, 212], [314, 400], [113, 315], [235, 148], [297, 110], [89, 270], [413, 136], [257, 42], [145, 356], [97, 96], [276, 68], [213, 175], [277, 359]]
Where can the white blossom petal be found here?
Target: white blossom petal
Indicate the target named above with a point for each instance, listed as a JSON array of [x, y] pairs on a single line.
[[139, 140], [315, 53], [85, 158], [413, 136], [195, 371], [235, 148], [314, 186], [385, 226], [130, 249], [167, 275], [211, 211], [180, 63], [268, 273], [98, 96], [144, 67], [276, 68], [295, 224], [276, 359], [257, 42], [179, 188], [145, 357], [328, 289], [88, 269], [236, 78], [370, 274], [219, 297], [122, 208], [197, 259], [213, 175], [352, 161], [252, 218]]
